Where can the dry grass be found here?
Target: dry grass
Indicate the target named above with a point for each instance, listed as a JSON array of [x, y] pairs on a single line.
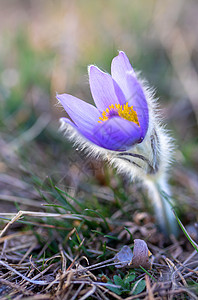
[[26, 272]]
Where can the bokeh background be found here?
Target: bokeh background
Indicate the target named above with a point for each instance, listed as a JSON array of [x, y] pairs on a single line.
[[45, 47]]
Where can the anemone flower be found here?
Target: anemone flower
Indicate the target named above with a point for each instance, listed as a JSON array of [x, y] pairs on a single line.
[[124, 128]]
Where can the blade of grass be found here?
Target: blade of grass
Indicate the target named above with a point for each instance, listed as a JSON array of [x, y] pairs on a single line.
[[195, 245], [148, 274], [53, 205], [101, 216], [111, 237], [61, 197], [72, 198], [96, 231], [129, 233]]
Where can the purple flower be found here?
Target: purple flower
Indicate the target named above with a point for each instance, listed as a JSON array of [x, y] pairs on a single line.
[[120, 118]]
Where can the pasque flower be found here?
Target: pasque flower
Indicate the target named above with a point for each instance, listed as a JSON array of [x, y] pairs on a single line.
[[120, 118], [123, 128]]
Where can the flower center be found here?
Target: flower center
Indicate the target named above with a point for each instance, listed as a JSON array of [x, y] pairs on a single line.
[[124, 111]]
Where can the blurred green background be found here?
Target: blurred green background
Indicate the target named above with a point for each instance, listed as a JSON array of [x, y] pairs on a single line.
[[45, 47]]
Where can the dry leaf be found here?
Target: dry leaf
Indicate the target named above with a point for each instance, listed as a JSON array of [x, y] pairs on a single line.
[[141, 255], [124, 256]]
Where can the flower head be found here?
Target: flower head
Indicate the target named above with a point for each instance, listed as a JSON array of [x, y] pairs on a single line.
[[120, 118], [124, 129]]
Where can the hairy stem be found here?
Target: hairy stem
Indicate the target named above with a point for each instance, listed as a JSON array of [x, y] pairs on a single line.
[[160, 195]]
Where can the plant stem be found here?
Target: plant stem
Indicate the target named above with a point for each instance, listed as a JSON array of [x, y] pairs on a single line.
[[160, 196]]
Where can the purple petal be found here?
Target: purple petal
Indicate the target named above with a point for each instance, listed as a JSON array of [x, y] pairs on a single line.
[[136, 98], [83, 114], [120, 67], [117, 134], [68, 121], [124, 75], [85, 132], [104, 89]]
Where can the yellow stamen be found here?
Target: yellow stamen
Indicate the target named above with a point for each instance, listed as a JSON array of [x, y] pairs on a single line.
[[124, 111]]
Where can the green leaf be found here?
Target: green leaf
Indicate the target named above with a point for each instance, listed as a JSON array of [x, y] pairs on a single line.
[[139, 287], [129, 277], [118, 281], [116, 290], [126, 286]]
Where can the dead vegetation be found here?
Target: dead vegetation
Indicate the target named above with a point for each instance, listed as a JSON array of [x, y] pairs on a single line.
[[82, 264]]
